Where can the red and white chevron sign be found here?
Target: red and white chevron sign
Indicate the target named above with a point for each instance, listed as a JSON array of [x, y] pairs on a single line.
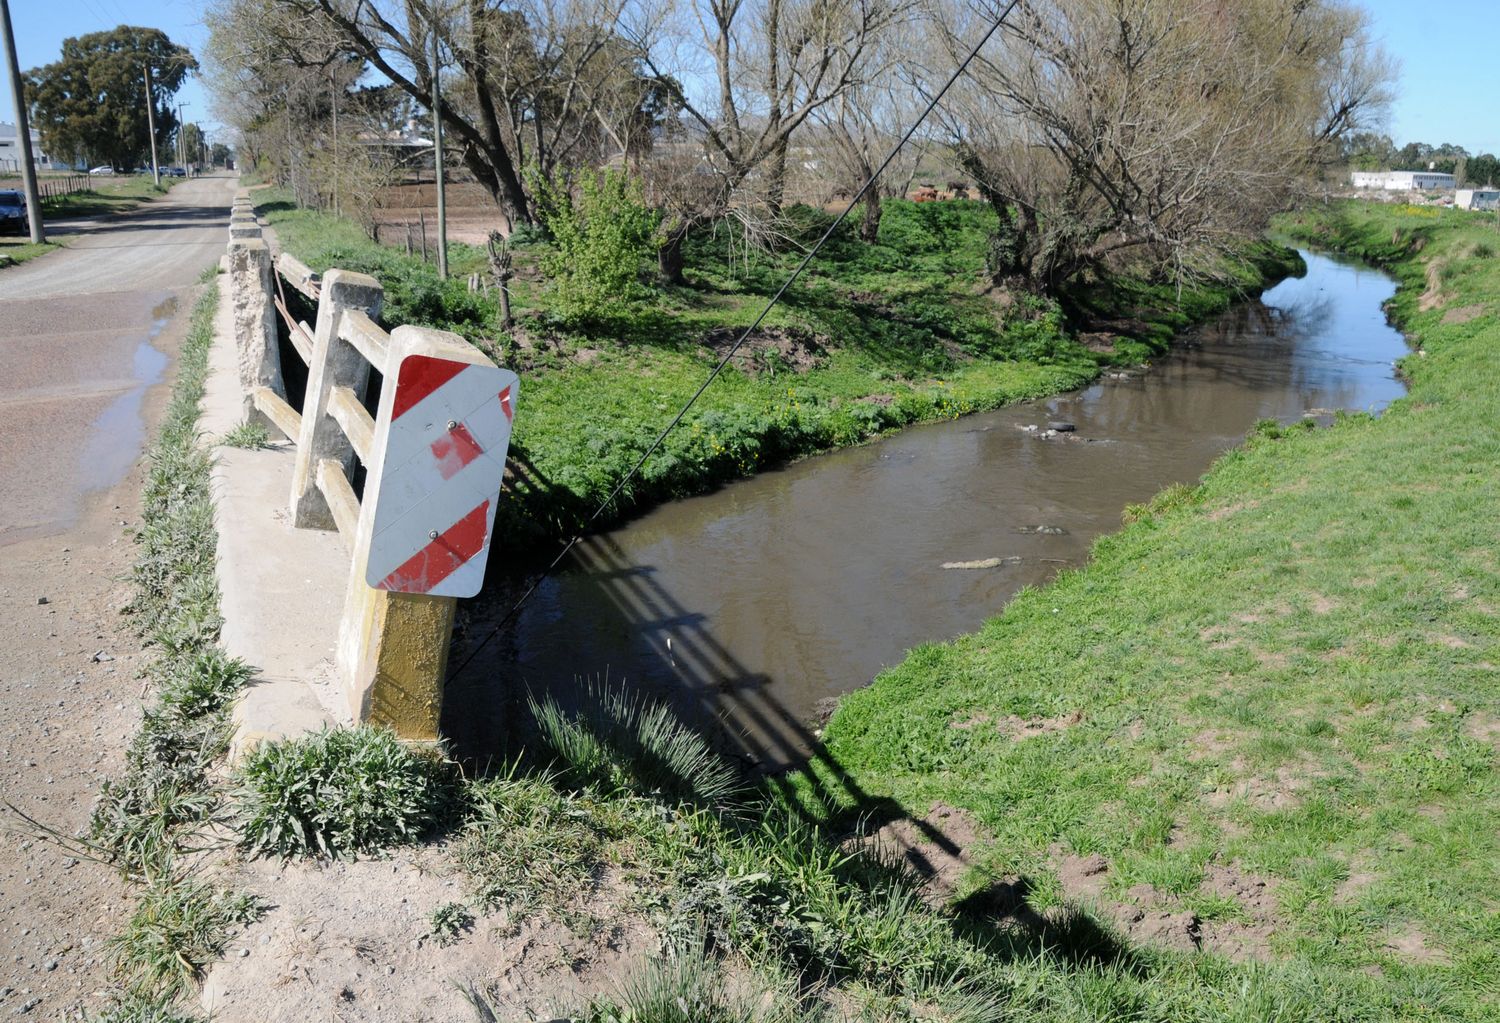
[[440, 481]]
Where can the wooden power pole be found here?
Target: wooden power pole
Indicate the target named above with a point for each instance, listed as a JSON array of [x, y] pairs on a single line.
[[23, 127], [151, 127]]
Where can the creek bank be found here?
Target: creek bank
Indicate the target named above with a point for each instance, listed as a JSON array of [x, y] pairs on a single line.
[[1280, 668], [876, 339], [828, 571]]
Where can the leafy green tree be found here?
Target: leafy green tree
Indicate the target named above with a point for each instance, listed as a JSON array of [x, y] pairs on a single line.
[[89, 105], [192, 143], [604, 239], [1483, 169]]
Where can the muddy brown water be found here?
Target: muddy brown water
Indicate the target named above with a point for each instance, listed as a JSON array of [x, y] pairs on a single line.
[[753, 607]]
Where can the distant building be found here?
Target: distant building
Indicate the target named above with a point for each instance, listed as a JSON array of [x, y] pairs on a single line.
[[1477, 199], [1402, 181], [10, 152]]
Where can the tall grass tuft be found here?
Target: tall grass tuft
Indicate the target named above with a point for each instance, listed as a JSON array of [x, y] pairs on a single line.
[[179, 925], [337, 793], [619, 740]]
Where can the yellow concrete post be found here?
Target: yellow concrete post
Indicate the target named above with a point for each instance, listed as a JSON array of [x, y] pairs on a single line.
[[393, 647]]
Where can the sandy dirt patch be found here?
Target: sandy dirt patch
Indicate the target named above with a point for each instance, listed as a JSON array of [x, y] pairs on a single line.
[[353, 941]]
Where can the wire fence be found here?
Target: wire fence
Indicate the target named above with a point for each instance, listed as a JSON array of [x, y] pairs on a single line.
[[54, 187]]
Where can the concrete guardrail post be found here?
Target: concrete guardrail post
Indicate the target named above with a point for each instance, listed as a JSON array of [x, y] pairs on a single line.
[[257, 354], [392, 653], [334, 363]]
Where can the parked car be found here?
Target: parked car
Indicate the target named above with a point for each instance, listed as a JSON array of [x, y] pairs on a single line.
[[106, 169], [175, 172], [13, 212]]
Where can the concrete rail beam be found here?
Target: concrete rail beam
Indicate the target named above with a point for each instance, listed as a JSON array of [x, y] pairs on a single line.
[[335, 363]]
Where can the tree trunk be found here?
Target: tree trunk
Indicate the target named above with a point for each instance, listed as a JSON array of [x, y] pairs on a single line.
[[776, 178], [869, 227], [669, 258]]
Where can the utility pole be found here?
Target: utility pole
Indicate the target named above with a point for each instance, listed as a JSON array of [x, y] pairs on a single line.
[[151, 127], [23, 128], [182, 149], [437, 154]]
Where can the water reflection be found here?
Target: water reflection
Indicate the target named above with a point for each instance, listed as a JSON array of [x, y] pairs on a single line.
[[753, 606]]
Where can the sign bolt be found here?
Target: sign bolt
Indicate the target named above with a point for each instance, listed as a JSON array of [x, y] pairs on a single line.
[[452, 423], [432, 534]]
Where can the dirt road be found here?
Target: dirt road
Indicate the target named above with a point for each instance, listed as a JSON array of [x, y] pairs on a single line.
[[76, 336], [88, 335]]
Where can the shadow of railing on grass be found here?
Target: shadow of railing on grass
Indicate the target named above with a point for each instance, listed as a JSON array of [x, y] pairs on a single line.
[[737, 709]]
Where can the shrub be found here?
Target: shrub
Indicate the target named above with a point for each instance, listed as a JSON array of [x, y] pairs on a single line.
[[603, 240], [338, 792]]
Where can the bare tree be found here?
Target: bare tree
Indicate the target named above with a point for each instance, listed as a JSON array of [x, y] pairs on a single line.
[[770, 65], [1097, 127], [865, 122]]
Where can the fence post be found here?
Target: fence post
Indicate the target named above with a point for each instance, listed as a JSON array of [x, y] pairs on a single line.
[[392, 653], [334, 363], [257, 354]]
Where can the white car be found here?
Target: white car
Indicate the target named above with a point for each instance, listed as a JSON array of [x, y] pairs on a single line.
[[106, 169]]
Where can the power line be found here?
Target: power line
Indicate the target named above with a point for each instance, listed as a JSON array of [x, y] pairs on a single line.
[[744, 336]]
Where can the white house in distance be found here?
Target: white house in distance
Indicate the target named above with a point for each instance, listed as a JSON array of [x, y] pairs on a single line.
[[1477, 199], [1402, 181], [10, 152]]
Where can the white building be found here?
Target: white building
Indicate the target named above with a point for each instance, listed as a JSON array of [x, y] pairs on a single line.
[[1477, 199], [10, 152], [1402, 181]]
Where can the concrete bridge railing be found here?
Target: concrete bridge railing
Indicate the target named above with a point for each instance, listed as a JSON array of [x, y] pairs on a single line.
[[392, 648]]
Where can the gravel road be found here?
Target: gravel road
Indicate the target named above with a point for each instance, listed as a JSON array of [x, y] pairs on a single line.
[[83, 333], [88, 335]]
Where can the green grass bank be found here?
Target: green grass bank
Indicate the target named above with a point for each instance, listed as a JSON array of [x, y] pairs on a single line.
[[874, 338], [1285, 675]]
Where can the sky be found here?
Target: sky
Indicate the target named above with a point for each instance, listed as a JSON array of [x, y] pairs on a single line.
[[1447, 91], [42, 25]]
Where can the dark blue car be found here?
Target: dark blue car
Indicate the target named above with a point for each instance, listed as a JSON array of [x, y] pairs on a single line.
[[13, 212]]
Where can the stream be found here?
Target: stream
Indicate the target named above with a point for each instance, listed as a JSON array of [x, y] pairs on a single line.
[[757, 605]]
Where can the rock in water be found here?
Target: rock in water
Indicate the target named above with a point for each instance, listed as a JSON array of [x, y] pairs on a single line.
[[1061, 426], [984, 563]]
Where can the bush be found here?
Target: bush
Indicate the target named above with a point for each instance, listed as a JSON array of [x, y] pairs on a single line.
[[603, 238], [336, 793]]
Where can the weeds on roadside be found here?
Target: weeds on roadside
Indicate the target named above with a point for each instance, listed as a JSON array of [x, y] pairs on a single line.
[[134, 1009], [180, 925], [449, 922], [528, 844], [337, 793], [620, 740], [158, 811], [247, 436]]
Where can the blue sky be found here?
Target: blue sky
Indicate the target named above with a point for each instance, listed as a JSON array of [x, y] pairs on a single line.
[[1450, 70], [42, 25], [1448, 90]]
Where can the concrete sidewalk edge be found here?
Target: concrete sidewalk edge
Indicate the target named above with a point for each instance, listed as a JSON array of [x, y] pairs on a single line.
[[281, 589]]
